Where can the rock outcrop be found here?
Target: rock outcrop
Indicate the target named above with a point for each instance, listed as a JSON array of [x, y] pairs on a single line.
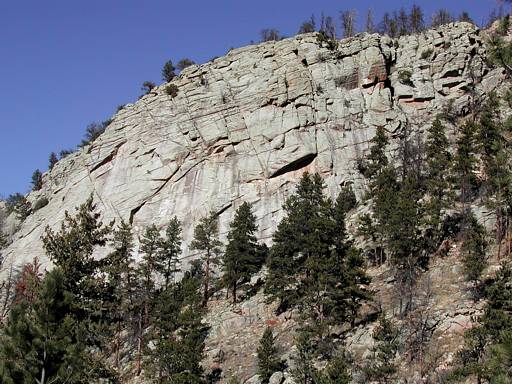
[[245, 126]]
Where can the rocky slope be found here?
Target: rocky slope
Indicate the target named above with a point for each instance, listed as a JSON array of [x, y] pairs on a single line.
[[245, 126]]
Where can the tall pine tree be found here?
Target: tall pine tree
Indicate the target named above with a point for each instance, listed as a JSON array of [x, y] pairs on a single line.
[[241, 257], [206, 240]]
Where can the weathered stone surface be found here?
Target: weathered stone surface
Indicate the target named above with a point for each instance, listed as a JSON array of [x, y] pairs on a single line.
[[276, 378], [245, 126]]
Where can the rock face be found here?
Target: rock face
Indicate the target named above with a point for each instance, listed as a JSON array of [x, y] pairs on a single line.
[[244, 127]]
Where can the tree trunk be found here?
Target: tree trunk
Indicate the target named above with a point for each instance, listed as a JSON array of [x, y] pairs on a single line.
[[139, 346], [206, 279]]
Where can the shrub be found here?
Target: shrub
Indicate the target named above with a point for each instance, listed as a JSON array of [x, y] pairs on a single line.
[[92, 132], [270, 34], [339, 81], [40, 203], [147, 87], [330, 42], [172, 90], [65, 152], [405, 77], [427, 53], [322, 57], [184, 63]]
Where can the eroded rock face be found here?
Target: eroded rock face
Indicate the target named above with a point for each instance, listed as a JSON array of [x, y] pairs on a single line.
[[246, 126]]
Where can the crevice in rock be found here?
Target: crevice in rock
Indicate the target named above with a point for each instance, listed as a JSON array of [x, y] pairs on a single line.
[[295, 165], [223, 209], [107, 159], [134, 211]]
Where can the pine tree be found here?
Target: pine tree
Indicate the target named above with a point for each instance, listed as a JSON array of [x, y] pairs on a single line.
[[474, 250], [168, 71], [177, 334], [311, 256], [464, 163], [37, 180], [71, 249], [168, 257], [381, 366], [206, 240], [150, 246], [498, 174], [44, 342], [437, 178], [476, 359], [52, 160], [304, 372], [241, 256], [377, 160], [336, 372], [268, 358], [121, 283]]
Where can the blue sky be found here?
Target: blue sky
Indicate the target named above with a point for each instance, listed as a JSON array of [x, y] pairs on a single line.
[[67, 63]]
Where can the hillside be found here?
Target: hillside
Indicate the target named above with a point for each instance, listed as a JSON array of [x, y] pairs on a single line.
[[245, 128]]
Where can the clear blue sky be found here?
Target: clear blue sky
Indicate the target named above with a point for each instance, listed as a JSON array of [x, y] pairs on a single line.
[[66, 63]]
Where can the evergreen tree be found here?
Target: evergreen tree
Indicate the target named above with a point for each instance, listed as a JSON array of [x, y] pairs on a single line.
[[464, 163], [71, 249], [37, 180], [310, 257], [268, 358], [177, 334], [121, 283], [168, 71], [168, 257], [304, 372], [150, 246], [336, 372], [376, 160], [500, 52], [474, 250], [437, 178], [206, 240], [45, 343], [52, 160], [498, 175], [23, 208], [477, 358], [241, 256], [381, 366], [403, 233]]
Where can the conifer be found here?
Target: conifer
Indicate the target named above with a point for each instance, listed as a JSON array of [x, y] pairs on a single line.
[[437, 178], [241, 256], [206, 240], [37, 180], [381, 366], [268, 357], [168, 257], [52, 160]]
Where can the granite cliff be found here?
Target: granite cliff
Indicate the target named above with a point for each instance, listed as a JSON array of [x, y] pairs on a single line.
[[245, 126]]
